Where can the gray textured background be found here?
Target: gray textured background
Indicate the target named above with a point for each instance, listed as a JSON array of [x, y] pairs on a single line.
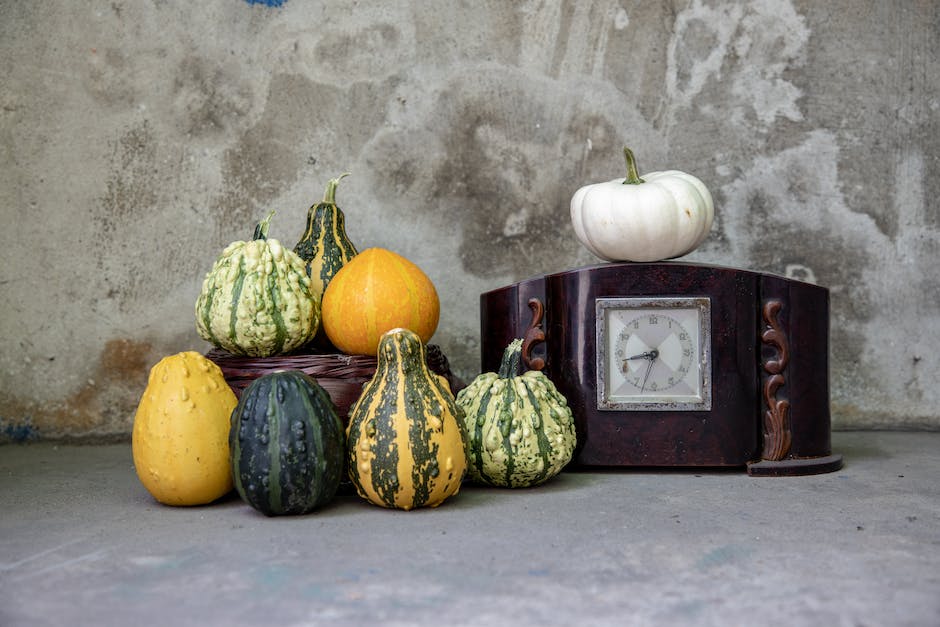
[[138, 138]]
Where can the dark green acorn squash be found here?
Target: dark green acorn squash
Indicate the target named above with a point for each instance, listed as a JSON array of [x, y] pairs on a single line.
[[287, 444]]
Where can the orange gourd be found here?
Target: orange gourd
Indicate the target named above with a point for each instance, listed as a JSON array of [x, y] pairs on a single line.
[[376, 291]]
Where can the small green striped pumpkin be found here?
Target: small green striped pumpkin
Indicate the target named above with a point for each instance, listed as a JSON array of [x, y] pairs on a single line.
[[256, 299], [520, 430], [405, 441], [287, 444]]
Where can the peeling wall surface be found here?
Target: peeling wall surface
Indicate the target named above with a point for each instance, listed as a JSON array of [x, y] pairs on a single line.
[[137, 139]]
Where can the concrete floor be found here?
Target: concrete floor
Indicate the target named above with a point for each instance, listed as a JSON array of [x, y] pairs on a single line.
[[82, 543]]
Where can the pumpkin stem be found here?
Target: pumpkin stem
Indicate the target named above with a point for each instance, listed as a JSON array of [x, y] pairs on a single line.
[[261, 229], [512, 360], [633, 175], [330, 195]]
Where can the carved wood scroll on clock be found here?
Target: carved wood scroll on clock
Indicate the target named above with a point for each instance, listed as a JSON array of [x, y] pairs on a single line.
[[777, 434], [533, 335]]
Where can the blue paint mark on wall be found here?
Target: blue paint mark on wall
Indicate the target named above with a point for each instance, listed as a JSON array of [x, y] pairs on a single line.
[[267, 3], [17, 432]]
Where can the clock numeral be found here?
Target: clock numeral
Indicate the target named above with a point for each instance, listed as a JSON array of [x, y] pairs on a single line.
[[683, 335], [686, 352], [654, 320]]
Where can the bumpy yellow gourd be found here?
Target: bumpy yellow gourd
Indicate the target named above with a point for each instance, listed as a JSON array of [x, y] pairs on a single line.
[[180, 436]]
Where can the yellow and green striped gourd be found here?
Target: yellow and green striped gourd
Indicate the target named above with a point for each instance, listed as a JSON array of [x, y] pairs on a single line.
[[405, 441], [324, 246]]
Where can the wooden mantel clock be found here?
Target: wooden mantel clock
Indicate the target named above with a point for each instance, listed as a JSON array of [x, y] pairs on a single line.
[[675, 364]]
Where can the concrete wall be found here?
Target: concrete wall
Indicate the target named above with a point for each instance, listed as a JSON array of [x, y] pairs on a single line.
[[137, 138]]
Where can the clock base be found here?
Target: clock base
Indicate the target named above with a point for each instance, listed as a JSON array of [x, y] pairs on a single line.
[[795, 467]]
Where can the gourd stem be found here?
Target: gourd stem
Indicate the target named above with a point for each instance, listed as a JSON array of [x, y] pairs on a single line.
[[512, 360], [330, 195], [261, 229], [633, 175]]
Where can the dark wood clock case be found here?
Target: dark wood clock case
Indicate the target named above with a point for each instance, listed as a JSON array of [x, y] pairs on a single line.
[[770, 366]]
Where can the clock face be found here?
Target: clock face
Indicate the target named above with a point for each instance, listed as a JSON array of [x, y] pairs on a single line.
[[653, 354]]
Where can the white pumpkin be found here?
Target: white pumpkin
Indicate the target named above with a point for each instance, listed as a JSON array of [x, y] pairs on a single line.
[[659, 216]]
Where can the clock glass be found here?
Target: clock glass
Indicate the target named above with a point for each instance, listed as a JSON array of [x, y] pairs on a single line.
[[653, 354]]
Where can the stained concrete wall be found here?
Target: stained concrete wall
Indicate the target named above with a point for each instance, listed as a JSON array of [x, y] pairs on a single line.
[[138, 138]]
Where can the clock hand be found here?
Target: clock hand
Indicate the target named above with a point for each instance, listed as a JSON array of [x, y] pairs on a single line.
[[649, 369], [652, 356]]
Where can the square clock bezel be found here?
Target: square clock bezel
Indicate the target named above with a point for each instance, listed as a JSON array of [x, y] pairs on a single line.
[[699, 402]]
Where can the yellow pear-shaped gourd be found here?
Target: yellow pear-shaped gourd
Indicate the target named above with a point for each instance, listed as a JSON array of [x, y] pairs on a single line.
[[181, 428], [405, 440]]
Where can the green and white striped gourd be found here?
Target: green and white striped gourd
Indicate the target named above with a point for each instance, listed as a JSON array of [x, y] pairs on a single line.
[[405, 441], [287, 444], [520, 430], [256, 299]]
